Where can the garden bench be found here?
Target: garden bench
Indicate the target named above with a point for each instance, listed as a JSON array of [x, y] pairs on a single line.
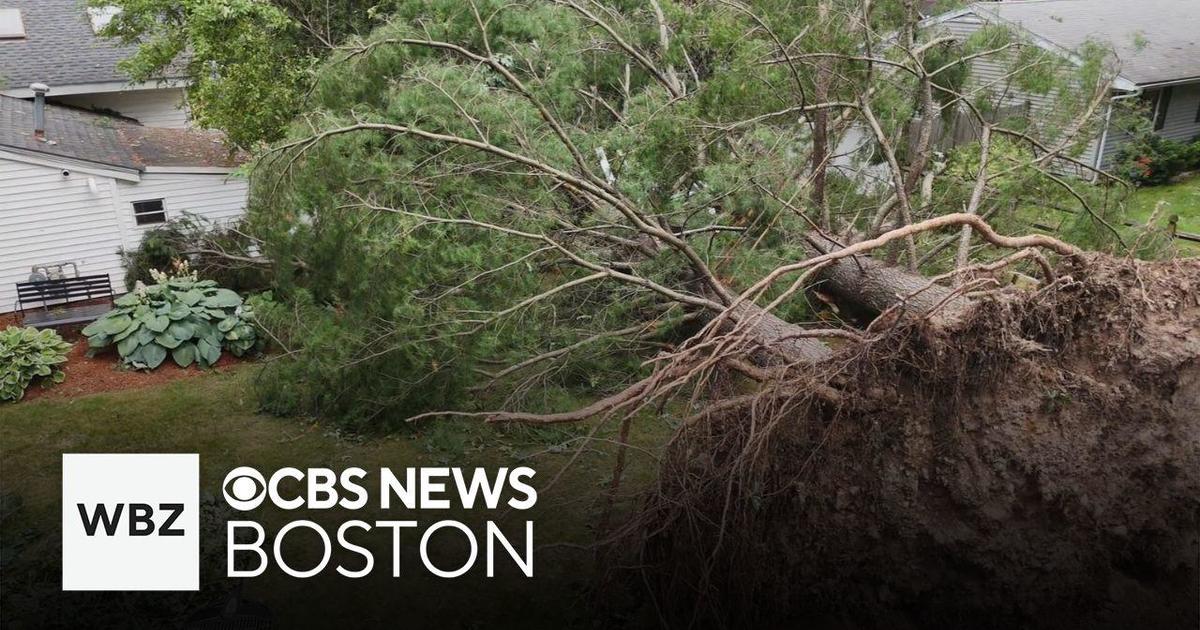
[[47, 303]]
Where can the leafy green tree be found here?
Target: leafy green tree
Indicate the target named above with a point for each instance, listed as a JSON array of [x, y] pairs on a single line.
[[490, 197], [247, 61]]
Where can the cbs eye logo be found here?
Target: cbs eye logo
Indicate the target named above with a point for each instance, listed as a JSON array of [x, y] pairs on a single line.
[[244, 488]]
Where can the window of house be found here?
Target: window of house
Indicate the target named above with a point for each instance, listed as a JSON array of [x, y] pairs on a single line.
[[1198, 113], [1159, 101], [11, 26], [149, 212]]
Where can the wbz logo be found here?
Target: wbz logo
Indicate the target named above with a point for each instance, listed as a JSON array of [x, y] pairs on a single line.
[[131, 522], [141, 519]]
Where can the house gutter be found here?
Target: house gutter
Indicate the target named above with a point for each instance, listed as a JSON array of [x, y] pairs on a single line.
[[1172, 82], [75, 89]]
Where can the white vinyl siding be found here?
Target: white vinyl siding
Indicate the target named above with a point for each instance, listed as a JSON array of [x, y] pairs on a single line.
[[153, 108], [48, 218], [218, 198]]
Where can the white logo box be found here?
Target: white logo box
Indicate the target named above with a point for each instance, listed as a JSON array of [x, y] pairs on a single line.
[[122, 562]]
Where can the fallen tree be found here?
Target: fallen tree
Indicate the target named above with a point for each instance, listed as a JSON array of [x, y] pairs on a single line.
[[486, 194]]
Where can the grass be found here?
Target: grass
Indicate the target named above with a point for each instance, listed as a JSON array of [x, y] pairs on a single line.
[[215, 416], [1182, 199]]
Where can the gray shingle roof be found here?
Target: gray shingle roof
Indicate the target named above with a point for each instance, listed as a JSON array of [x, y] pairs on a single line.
[[82, 135], [1155, 40], [59, 47]]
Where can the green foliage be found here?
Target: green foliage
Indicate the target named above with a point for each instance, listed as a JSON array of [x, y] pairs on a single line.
[[330, 371], [407, 265], [394, 312], [1004, 155], [27, 354], [247, 60], [159, 249], [1151, 160], [192, 238], [190, 320]]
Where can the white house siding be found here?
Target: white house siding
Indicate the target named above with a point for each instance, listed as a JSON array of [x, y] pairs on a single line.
[[989, 75], [218, 198], [48, 218], [153, 108]]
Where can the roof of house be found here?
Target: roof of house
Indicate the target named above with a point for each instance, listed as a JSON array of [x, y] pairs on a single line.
[[110, 140], [1156, 41], [59, 47]]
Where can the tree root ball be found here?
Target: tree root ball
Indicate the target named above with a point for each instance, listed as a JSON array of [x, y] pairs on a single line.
[[1035, 462]]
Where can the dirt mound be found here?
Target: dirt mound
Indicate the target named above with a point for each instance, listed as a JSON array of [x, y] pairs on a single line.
[[1032, 463]]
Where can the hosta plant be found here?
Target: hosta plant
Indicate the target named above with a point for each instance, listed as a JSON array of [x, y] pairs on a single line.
[[190, 320], [27, 354]]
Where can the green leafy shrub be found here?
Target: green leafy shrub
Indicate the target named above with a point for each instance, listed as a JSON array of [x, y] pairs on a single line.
[[1191, 155], [189, 238], [1152, 160], [27, 354], [191, 320], [158, 249]]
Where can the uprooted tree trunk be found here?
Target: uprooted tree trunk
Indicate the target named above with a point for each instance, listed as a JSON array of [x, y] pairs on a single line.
[[1030, 460]]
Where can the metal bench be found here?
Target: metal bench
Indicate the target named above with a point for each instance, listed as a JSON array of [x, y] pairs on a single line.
[[47, 303]]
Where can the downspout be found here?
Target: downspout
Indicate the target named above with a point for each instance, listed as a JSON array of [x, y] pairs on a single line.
[[1136, 92]]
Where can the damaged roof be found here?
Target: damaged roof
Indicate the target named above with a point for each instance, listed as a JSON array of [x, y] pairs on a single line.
[[111, 140]]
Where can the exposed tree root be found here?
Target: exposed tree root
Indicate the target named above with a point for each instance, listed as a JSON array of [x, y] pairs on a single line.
[[1032, 461]]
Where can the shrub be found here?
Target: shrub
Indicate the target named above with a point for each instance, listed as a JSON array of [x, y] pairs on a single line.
[[1151, 160], [27, 354], [160, 247], [190, 319], [190, 238], [1191, 155]]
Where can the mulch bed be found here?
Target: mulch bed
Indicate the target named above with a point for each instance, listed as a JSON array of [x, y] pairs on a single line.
[[103, 373]]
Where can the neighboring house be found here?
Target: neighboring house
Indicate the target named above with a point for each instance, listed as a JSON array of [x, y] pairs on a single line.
[[1157, 48], [55, 42], [87, 184]]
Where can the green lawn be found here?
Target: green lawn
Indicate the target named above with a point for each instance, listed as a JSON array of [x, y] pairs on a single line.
[[1182, 199], [214, 415]]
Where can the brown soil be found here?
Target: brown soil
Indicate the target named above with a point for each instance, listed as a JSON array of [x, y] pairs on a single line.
[[1034, 463], [104, 373], [9, 319]]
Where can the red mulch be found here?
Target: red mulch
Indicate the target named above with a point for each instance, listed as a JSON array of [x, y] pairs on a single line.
[[103, 372]]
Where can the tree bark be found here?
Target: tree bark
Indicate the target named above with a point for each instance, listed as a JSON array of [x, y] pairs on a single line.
[[777, 335], [874, 286], [820, 132]]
